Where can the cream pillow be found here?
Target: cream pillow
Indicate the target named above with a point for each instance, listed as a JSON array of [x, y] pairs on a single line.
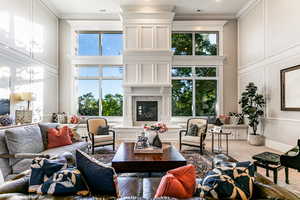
[[1, 178]]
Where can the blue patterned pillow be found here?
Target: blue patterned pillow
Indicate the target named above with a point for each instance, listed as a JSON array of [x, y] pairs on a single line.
[[42, 169], [101, 179], [228, 182], [64, 182]]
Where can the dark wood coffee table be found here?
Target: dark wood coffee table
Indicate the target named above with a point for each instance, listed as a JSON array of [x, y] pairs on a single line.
[[126, 161]]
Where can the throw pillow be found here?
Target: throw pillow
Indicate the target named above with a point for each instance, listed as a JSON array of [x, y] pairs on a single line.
[[64, 182], [59, 137], [44, 130], [103, 130], [178, 183], [26, 139], [229, 182], [42, 169], [193, 130], [93, 171]]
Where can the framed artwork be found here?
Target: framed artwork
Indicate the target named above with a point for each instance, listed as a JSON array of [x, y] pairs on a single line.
[[290, 92]]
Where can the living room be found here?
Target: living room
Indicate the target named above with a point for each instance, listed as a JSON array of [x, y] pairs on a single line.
[[155, 92]]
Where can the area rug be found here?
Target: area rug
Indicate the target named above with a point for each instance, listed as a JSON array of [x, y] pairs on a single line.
[[203, 163]]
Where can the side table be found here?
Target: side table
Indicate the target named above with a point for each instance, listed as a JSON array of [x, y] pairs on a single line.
[[219, 141], [270, 161]]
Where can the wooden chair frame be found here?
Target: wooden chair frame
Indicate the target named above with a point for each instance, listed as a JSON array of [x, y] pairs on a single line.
[[201, 138], [92, 138]]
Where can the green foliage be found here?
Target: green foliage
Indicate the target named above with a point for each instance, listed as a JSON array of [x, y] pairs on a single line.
[[252, 105], [88, 105], [182, 43], [112, 105], [206, 97], [182, 100]]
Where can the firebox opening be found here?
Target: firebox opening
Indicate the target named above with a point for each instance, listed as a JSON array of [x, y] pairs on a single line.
[[146, 111]]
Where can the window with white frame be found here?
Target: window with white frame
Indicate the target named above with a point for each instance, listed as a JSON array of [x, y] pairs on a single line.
[[194, 90], [100, 91], [204, 43]]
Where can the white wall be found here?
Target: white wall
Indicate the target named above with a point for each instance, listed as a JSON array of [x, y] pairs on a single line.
[[268, 42], [28, 47]]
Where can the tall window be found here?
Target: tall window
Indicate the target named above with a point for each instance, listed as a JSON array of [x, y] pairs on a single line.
[[100, 44], [100, 90], [195, 43], [194, 90]]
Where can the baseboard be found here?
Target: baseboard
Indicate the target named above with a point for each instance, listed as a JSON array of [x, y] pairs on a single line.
[[278, 145]]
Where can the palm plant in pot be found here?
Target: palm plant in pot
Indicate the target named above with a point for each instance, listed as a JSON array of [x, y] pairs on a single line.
[[252, 105]]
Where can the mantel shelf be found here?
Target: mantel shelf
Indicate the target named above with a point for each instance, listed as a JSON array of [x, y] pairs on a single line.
[[148, 85]]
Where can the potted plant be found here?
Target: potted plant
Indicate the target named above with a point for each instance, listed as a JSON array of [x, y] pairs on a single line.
[[253, 105]]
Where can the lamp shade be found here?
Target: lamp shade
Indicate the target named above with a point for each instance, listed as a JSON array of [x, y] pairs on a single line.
[[26, 96]]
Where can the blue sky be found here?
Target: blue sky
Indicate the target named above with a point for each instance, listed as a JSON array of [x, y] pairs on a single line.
[[89, 45]]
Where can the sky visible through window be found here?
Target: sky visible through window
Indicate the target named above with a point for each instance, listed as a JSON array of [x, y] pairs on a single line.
[[103, 44]]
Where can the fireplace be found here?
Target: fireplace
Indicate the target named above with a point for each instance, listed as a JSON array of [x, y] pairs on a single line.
[[146, 111]]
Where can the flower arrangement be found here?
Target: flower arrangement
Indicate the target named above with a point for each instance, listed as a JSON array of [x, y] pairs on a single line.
[[157, 127]]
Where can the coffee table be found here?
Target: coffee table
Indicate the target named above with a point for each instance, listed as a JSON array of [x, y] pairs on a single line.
[[126, 161]]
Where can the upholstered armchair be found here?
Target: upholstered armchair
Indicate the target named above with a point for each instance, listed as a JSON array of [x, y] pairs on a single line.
[[97, 140], [196, 140]]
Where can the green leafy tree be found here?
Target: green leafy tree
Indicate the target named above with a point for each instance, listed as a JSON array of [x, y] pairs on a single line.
[[112, 105], [182, 97], [203, 45], [252, 105], [182, 43], [206, 97], [88, 105]]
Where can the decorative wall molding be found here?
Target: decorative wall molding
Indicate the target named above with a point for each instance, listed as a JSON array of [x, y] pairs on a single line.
[[199, 25], [198, 60], [205, 16], [147, 56], [247, 7]]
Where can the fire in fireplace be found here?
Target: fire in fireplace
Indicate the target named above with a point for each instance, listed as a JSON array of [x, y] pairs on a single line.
[[146, 111]]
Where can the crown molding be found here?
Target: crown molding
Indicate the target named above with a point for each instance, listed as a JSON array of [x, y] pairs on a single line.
[[90, 16], [248, 6], [51, 7], [205, 16], [147, 8], [96, 25]]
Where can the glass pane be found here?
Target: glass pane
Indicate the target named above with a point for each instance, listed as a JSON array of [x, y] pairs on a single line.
[[113, 71], [182, 43], [182, 97], [206, 71], [88, 97], [206, 97], [112, 98], [112, 44], [206, 44], [4, 90], [181, 72], [88, 44], [89, 71]]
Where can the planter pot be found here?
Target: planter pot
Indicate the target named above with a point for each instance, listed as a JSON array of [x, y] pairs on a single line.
[[256, 140]]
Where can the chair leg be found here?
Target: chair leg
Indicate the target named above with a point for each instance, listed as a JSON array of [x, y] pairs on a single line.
[[114, 146], [93, 145], [201, 150]]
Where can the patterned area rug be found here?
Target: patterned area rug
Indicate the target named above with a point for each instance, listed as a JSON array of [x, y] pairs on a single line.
[[203, 162]]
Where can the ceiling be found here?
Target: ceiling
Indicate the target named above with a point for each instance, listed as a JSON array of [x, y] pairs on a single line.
[[111, 8]]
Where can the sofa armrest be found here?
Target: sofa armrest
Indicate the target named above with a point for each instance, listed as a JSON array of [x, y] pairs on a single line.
[[24, 155], [15, 186]]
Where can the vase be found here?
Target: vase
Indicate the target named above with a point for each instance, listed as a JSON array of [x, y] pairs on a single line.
[[154, 140]]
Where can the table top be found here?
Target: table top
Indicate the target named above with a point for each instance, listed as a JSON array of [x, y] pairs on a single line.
[[125, 153], [268, 157], [220, 133]]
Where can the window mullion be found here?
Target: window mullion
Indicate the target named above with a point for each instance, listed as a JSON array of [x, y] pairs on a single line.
[[100, 44], [100, 89], [194, 91], [193, 45]]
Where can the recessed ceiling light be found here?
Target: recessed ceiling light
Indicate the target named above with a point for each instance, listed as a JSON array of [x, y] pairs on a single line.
[[198, 10], [102, 10]]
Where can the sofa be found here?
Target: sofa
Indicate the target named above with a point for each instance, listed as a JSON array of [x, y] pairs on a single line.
[[136, 188], [17, 162]]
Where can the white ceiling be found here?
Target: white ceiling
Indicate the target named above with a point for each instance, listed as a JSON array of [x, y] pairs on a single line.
[[71, 8]]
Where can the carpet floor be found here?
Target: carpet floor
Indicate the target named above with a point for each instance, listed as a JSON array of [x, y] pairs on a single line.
[[203, 162]]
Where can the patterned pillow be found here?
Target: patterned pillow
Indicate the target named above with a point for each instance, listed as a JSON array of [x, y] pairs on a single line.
[[42, 169], [103, 130], [228, 182], [64, 182], [93, 171], [193, 130]]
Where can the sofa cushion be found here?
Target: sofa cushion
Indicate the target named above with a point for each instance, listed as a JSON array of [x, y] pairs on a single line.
[[44, 130], [21, 166], [68, 148], [4, 162], [192, 130], [64, 182], [93, 171], [27, 139]]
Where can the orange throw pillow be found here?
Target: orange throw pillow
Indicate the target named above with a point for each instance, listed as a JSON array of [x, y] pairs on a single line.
[[59, 137], [178, 183]]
